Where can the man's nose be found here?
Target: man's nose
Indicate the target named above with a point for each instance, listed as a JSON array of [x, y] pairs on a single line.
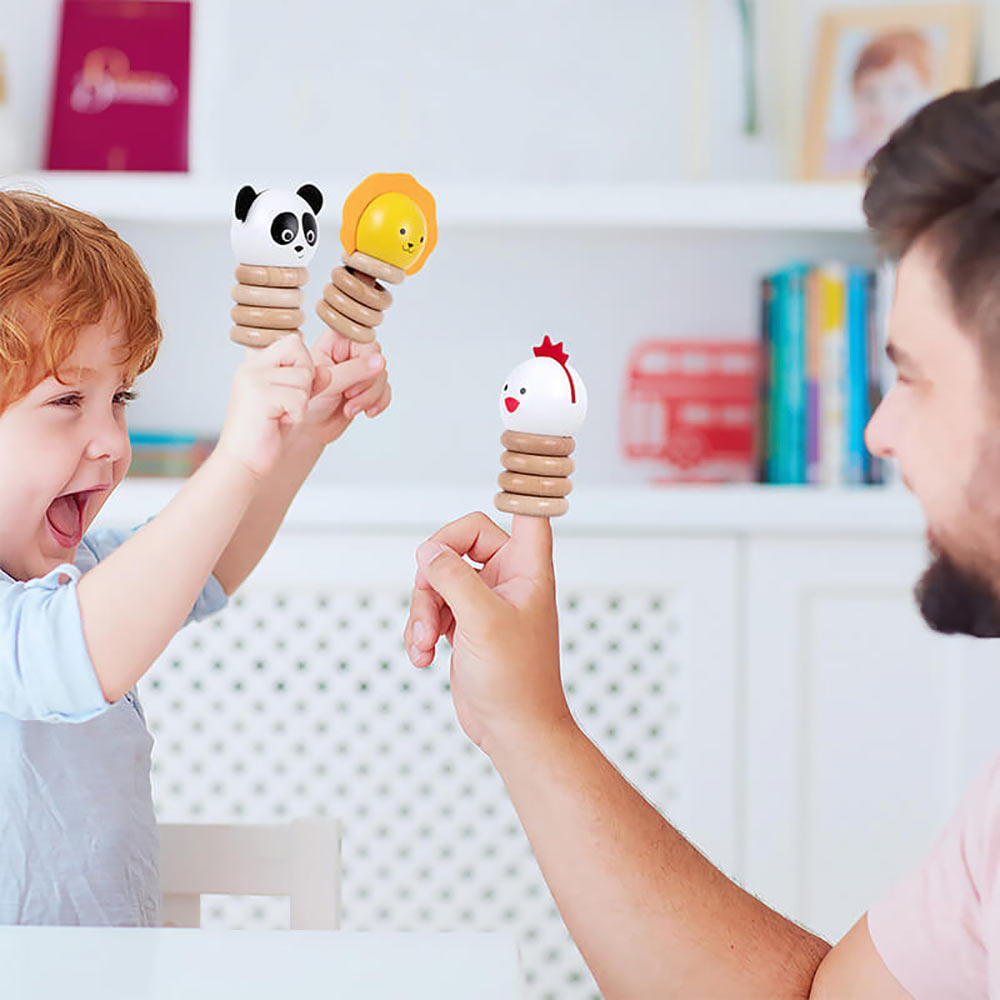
[[878, 437]]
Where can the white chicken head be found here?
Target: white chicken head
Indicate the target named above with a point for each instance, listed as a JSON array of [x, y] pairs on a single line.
[[544, 395]]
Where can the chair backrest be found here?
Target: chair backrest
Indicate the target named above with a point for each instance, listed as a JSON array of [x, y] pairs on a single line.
[[300, 860]]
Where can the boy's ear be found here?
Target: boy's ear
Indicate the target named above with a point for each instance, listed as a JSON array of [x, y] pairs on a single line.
[[244, 199], [312, 196]]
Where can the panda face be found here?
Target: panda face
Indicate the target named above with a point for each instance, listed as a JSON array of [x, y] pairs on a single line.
[[276, 228]]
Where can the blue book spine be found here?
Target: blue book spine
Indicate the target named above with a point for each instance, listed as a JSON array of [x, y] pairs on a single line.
[[776, 423], [796, 410], [856, 376]]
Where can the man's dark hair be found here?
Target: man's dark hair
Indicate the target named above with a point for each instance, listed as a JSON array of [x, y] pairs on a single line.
[[938, 177]]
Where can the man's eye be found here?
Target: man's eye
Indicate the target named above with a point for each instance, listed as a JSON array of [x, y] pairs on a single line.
[[126, 396]]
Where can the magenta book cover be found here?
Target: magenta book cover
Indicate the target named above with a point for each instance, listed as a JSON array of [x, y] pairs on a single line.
[[120, 98]]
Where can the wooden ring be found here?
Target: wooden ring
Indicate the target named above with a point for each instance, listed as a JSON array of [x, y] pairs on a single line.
[[537, 444], [250, 336], [374, 267], [510, 503], [271, 277], [344, 304], [537, 465], [344, 326], [267, 295], [535, 486], [362, 288], [265, 318]]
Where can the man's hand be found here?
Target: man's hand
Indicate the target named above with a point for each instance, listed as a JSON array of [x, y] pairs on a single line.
[[500, 620], [349, 378]]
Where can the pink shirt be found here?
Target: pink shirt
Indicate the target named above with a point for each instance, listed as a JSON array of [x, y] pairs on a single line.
[[938, 929]]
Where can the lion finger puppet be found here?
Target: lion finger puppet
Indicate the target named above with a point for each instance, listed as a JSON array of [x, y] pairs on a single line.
[[389, 230], [543, 404], [274, 236]]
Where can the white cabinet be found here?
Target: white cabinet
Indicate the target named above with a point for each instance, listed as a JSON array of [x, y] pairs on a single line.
[[862, 726], [751, 659]]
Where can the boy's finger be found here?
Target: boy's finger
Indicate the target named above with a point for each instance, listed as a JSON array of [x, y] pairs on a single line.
[[474, 535], [287, 350], [322, 349], [368, 398], [350, 373], [382, 404], [292, 376], [341, 348]]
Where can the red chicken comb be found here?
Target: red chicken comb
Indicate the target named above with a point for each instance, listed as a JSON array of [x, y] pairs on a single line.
[[546, 349]]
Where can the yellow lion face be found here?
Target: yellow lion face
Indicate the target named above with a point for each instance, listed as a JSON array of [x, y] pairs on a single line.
[[393, 229]]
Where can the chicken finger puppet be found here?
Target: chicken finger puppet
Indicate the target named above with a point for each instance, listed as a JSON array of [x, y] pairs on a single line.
[[274, 236], [389, 230], [543, 404]]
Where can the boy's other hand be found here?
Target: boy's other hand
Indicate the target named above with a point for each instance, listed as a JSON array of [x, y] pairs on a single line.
[[349, 378], [500, 619], [268, 399]]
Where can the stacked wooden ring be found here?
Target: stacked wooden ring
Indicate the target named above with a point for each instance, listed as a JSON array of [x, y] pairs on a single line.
[[354, 300], [536, 477], [268, 303]]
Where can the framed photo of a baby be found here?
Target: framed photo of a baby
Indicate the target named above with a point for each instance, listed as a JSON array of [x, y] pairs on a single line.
[[874, 68]]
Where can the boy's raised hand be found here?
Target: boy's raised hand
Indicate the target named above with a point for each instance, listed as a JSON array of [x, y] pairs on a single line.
[[269, 395], [349, 378], [500, 619]]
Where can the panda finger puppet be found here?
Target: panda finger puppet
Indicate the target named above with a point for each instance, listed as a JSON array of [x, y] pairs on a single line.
[[274, 235], [389, 230], [543, 404]]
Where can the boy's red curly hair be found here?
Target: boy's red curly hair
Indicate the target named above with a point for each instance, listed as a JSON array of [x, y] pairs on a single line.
[[61, 268]]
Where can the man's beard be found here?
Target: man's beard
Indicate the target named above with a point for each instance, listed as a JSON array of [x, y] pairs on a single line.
[[957, 599]]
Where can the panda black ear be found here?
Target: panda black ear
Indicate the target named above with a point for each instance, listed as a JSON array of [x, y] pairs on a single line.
[[312, 195], [245, 197]]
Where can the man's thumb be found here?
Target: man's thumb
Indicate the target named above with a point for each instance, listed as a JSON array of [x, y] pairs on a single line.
[[460, 586]]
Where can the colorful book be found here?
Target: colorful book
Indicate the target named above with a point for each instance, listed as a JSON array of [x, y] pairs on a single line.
[[813, 452], [766, 377], [832, 377], [856, 376]]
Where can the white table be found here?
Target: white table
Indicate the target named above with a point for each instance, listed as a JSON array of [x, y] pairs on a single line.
[[94, 963]]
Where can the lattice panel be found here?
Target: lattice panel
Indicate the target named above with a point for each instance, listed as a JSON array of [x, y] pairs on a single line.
[[301, 702]]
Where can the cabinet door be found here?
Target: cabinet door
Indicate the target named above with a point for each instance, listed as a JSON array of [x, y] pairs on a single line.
[[863, 727], [299, 700]]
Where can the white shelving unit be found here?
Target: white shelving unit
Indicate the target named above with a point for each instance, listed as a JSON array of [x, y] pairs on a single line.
[[187, 199], [749, 509]]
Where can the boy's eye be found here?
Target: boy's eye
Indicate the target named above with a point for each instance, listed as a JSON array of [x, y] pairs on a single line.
[[70, 399], [125, 396]]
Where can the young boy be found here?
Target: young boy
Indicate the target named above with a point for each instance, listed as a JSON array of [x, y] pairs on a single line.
[[83, 617]]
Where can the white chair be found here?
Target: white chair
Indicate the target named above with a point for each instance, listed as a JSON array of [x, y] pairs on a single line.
[[300, 860]]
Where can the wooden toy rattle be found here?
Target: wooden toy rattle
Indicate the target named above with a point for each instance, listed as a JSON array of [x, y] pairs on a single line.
[[543, 403], [274, 235], [389, 230]]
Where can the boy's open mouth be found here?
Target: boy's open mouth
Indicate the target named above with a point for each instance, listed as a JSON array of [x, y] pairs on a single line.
[[65, 517]]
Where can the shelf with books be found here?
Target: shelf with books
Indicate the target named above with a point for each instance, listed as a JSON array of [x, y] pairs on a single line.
[[191, 199], [823, 372], [683, 510]]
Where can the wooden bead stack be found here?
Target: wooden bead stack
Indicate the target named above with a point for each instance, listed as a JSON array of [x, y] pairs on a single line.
[[536, 477], [354, 301], [268, 303]]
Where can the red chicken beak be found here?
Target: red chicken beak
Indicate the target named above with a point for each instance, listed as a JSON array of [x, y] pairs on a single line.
[[512, 404]]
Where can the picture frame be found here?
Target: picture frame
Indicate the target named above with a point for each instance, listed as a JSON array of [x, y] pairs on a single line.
[[874, 67]]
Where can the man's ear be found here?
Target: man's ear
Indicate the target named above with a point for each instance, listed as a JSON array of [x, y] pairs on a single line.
[[312, 196], [245, 197]]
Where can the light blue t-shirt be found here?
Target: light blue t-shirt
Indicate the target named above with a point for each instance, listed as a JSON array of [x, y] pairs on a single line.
[[78, 840]]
